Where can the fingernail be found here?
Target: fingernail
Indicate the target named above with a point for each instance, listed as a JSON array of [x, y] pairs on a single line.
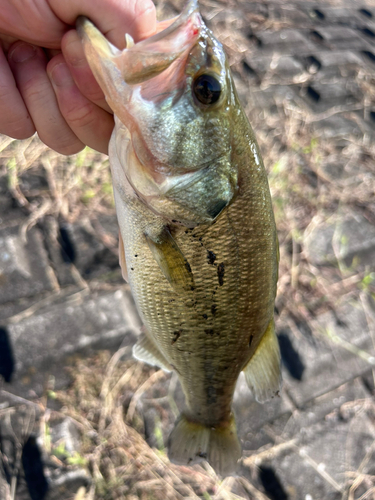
[[61, 76], [22, 53]]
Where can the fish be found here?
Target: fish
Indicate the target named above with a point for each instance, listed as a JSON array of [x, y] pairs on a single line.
[[198, 242]]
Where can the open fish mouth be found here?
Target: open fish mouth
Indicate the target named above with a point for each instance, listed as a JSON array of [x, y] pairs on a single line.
[[144, 60]]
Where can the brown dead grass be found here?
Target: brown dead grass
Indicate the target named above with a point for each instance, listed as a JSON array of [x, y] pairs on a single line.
[[103, 401]]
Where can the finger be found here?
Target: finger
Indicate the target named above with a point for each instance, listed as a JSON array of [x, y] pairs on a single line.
[[113, 18], [15, 120], [33, 22], [75, 58], [89, 122], [28, 64]]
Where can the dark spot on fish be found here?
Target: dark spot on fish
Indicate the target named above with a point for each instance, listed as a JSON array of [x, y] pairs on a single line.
[[251, 340], [202, 454], [194, 235], [192, 288], [211, 257], [220, 273], [176, 336], [186, 232], [173, 220], [136, 255], [171, 300], [209, 331], [200, 239], [187, 265], [132, 268], [225, 367], [213, 309], [205, 316], [211, 395], [218, 207]]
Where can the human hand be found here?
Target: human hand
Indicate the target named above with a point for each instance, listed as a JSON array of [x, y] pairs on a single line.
[[46, 84]]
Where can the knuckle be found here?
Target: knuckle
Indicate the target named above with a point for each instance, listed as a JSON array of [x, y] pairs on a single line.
[[82, 116], [35, 89], [93, 94]]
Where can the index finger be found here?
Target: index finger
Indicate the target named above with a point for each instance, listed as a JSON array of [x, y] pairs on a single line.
[[114, 18]]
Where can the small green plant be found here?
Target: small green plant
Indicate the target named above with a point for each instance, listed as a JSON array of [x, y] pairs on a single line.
[[367, 281], [71, 458], [76, 459]]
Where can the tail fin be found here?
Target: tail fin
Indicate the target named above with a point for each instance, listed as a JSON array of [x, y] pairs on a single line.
[[191, 442]]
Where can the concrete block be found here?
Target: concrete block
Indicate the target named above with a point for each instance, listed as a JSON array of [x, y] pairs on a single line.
[[41, 343], [348, 238], [328, 365], [24, 267], [285, 41]]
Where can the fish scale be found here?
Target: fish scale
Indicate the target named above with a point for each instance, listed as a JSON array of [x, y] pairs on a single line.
[[198, 241]]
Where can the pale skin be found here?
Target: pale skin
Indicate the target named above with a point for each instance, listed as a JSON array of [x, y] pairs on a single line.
[[46, 85]]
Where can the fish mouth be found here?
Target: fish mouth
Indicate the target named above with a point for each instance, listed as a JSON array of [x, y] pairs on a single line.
[[147, 58], [119, 72]]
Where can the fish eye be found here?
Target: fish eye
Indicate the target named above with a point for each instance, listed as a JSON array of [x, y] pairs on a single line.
[[207, 89]]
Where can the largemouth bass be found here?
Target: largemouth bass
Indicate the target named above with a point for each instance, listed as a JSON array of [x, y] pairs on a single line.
[[198, 241]]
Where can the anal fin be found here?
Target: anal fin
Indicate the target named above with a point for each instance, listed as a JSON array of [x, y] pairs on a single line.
[[263, 371], [121, 254], [171, 261], [147, 351]]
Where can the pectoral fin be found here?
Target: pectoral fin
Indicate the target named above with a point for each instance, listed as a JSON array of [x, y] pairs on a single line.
[[121, 254], [147, 351], [263, 372], [171, 261]]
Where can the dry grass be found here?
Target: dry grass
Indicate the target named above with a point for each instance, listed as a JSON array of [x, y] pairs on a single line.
[[103, 401], [76, 186]]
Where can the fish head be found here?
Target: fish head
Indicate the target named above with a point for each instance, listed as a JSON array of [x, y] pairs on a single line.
[[175, 103]]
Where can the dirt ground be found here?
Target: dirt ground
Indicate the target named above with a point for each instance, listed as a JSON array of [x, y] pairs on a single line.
[[79, 418]]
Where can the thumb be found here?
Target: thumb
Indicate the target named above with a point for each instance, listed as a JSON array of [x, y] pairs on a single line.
[[114, 18]]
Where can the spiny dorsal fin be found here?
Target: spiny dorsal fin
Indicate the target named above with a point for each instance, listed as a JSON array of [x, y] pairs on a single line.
[[263, 371]]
